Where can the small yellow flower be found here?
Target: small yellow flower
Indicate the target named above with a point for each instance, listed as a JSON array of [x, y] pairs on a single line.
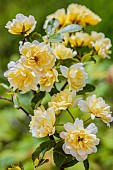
[[79, 142], [21, 77], [63, 52], [14, 168], [79, 14], [63, 100], [39, 55], [42, 123], [101, 44], [46, 82], [60, 15], [76, 76], [21, 25], [80, 39], [97, 107]]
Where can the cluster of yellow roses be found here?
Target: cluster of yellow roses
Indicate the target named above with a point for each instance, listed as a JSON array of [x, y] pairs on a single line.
[[37, 68]]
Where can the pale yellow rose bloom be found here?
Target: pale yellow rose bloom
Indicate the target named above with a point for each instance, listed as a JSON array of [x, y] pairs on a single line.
[[79, 39], [76, 76], [62, 52], [101, 44], [38, 55], [79, 142], [46, 81], [79, 14], [42, 123], [21, 77], [60, 15], [21, 25], [97, 107], [63, 100]]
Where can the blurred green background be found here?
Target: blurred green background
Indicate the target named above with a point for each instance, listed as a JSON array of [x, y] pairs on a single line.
[[16, 143]]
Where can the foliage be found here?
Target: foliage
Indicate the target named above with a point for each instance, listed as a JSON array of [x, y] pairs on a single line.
[[39, 97]]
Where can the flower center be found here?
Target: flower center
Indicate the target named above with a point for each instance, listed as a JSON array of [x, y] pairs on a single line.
[[80, 139]]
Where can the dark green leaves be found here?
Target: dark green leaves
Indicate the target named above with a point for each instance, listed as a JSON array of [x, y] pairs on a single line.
[[36, 36], [58, 154], [61, 159], [70, 28], [86, 164], [87, 88], [70, 163], [36, 100], [42, 149]]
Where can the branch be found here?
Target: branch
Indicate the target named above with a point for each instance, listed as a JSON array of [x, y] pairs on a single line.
[[71, 115], [11, 100]]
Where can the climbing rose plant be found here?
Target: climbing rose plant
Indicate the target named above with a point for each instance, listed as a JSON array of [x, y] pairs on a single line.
[[52, 67]]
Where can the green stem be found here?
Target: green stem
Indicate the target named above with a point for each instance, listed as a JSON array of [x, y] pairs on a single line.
[[71, 115], [64, 86], [20, 108], [1, 97], [87, 119], [59, 124]]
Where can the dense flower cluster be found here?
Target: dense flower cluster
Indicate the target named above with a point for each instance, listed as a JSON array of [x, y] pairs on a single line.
[[54, 67], [77, 14]]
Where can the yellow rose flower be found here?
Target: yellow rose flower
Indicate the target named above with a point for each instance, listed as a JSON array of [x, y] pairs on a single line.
[[46, 82], [63, 100], [21, 25], [80, 39], [97, 107], [101, 44], [76, 76], [60, 15], [42, 123], [79, 14], [79, 142], [21, 77], [39, 55], [62, 52]]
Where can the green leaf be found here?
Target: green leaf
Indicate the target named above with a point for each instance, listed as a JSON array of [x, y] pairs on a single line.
[[59, 158], [53, 91], [43, 148], [87, 57], [87, 88], [70, 28], [52, 25], [62, 81], [57, 135], [36, 100], [56, 38], [58, 154], [70, 163], [86, 164], [68, 62], [4, 85], [36, 36], [16, 100]]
